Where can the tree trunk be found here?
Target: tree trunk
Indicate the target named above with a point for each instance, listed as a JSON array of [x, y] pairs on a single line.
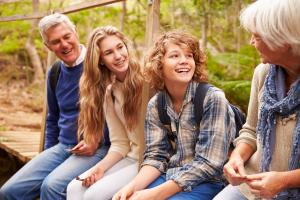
[[35, 61], [123, 15], [205, 9], [237, 27], [32, 52]]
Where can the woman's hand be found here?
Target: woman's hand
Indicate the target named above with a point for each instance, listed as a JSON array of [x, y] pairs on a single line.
[[124, 193], [234, 170], [84, 149], [95, 174], [266, 185]]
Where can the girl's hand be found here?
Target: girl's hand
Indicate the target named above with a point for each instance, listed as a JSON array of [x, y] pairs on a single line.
[[95, 174]]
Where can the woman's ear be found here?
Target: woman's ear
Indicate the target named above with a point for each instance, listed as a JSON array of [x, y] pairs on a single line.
[[101, 63], [286, 47]]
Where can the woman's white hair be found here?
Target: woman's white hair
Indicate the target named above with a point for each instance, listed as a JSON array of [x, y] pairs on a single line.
[[53, 20], [275, 21]]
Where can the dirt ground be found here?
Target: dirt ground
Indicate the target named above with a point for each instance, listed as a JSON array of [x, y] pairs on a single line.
[[20, 109], [16, 110]]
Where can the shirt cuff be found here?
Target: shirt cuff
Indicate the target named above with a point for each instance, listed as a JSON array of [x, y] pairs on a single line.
[[182, 183], [160, 166]]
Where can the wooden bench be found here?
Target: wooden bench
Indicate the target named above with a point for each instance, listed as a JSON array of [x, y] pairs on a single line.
[[22, 144]]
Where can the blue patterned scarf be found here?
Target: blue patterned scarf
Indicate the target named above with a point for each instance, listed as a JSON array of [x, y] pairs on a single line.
[[276, 103]]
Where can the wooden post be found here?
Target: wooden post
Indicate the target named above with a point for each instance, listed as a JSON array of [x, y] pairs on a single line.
[[50, 60], [70, 9], [152, 28]]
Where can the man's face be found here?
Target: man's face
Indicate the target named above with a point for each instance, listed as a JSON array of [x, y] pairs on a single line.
[[64, 42]]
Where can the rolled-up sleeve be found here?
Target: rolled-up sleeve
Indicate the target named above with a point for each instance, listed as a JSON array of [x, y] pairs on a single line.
[[157, 145]]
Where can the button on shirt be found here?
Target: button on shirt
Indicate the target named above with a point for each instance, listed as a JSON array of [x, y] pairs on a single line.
[[200, 153]]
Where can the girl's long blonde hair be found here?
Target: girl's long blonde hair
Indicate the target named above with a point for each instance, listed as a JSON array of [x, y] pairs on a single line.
[[93, 82]]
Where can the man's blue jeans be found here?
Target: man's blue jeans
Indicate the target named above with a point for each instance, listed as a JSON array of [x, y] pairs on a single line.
[[204, 191], [48, 174]]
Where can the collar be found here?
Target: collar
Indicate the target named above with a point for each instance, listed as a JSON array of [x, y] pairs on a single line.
[[189, 94]]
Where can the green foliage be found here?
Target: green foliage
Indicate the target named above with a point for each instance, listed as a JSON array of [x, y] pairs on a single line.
[[10, 44], [234, 66], [238, 92], [14, 34], [232, 72], [3, 128], [230, 59], [135, 24]]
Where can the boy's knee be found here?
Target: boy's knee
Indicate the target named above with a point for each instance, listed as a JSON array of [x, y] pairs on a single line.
[[2, 194], [6, 192]]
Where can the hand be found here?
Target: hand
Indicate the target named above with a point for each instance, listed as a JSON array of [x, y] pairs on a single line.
[[124, 193], [234, 170], [146, 194], [84, 149], [266, 185], [95, 174]]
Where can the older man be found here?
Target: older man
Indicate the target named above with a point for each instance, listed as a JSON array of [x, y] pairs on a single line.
[[48, 174]]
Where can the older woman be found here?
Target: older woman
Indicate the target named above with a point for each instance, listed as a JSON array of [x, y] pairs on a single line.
[[266, 160]]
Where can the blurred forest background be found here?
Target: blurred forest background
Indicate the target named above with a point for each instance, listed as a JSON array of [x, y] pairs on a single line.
[[23, 57]]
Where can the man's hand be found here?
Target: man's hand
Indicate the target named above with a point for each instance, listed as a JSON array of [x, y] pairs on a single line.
[[84, 149]]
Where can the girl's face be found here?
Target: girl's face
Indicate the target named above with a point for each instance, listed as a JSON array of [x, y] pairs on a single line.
[[114, 55], [178, 65]]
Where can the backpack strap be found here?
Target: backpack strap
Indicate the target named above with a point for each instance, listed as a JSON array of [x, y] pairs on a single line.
[[198, 100], [162, 111], [240, 119], [54, 74], [165, 119]]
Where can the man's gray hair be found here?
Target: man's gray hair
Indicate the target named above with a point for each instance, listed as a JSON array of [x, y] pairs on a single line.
[[275, 21], [53, 20]]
